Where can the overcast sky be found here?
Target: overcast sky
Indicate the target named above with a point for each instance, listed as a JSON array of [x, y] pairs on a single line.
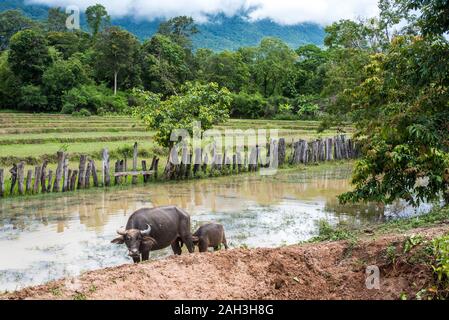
[[281, 11]]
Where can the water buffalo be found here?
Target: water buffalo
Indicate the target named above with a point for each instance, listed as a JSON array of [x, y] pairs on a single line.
[[210, 235], [155, 229]]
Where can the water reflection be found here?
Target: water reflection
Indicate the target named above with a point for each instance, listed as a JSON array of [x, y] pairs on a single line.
[[45, 239]]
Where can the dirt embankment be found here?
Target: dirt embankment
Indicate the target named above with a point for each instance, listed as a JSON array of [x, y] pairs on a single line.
[[335, 270]]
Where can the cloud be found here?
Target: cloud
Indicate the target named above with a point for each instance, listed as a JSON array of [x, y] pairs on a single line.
[[281, 11]]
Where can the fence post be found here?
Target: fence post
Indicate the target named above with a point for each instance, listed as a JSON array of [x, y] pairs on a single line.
[[37, 179], [29, 180], [21, 176], [50, 179], [82, 171], [94, 173], [44, 176], [73, 180], [134, 178], [106, 174], [88, 174], [2, 182], [65, 173], [69, 180], [57, 184]]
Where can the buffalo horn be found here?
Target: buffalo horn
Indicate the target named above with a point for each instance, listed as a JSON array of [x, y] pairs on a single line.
[[121, 231], [146, 232]]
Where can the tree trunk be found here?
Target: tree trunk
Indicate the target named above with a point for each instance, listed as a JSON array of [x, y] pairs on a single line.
[[115, 82]]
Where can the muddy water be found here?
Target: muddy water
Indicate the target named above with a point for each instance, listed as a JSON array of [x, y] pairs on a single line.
[[50, 238]]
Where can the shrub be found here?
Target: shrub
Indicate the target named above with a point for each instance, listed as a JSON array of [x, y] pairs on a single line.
[[95, 99], [252, 106], [32, 98]]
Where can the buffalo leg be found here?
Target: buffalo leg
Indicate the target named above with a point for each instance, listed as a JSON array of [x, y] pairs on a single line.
[[187, 240], [176, 248], [146, 256], [225, 243], [203, 246], [136, 259]]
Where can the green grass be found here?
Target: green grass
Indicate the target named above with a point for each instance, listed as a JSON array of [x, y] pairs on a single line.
[[435, 217]]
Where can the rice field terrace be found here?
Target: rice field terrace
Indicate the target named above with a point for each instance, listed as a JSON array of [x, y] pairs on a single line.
[[34, 138]]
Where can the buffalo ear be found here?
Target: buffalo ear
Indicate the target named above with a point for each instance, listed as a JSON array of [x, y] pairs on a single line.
[[119, 240]]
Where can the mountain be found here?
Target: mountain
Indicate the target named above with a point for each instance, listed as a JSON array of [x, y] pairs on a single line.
[[220, 33]]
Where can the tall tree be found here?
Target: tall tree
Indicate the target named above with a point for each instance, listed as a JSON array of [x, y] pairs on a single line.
[[11, 22], [97, 18], [273, 66], [56, 20], [116, 52], [165, 65], [29, 55], [180, 30], [401, 112]]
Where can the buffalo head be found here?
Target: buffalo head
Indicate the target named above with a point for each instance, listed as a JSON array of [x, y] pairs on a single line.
[[135, 240]]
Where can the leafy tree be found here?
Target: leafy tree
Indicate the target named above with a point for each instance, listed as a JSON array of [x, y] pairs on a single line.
[[165, 66], [346, 34], [180, 30], [207, 103], [32, 99], [69, 43], [116, 51], [310, 69], [29, 55], [401, 111], [9, 83], [225, 68], [11, 22], [273, 67], [97, 18], [56, 20], [62, 76]]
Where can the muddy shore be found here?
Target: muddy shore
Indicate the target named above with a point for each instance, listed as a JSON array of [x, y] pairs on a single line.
[[328, 270]]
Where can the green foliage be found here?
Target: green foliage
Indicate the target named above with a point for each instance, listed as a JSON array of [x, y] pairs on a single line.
[[11, 22], [225, 68], [179, 29], [116, 53], [62, 76], [97, 18], [56, 20], [327, 232], [208, 104], [307, 108], [441, 267], [29, 55], [32, 99], [9, 83], [249, 106], [165, 65], [95, 99]]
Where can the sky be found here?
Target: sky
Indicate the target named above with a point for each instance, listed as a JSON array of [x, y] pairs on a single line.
[[280, 11]]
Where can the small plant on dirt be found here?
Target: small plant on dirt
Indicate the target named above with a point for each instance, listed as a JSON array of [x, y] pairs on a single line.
[[411, 242], [441, 265], [79, 296], [326, 232], [56, 292], [391, 254]]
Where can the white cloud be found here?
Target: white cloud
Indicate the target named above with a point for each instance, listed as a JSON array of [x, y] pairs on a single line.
[[281, 11]]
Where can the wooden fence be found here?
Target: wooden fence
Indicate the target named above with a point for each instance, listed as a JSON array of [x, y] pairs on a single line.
[[183, 165]]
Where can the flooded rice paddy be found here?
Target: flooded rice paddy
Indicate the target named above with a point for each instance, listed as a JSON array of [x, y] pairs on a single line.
[[43, 239]]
